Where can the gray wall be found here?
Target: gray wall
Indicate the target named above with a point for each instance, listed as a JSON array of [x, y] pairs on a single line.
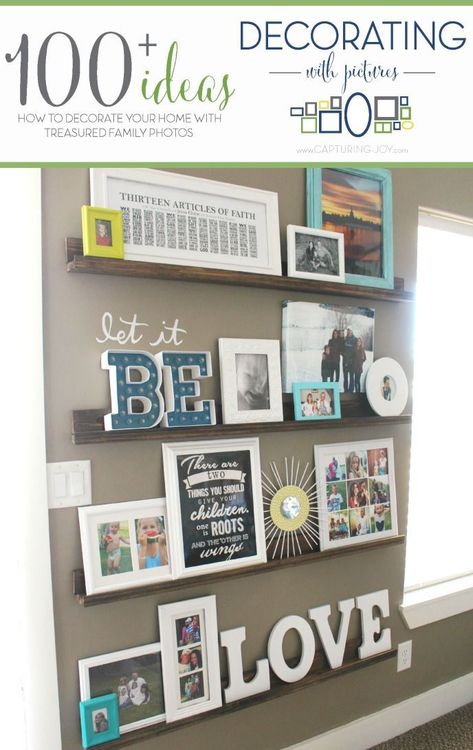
[[73, 307]]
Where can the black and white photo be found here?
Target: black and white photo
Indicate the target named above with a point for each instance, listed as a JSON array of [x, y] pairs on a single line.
[[250, 378], [315, 254]]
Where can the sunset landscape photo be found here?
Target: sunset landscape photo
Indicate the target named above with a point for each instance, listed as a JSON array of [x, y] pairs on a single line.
[[353, 205]]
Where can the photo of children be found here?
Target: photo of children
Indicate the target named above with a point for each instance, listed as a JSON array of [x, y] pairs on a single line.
[[316, 403], [137, 682], [336, 497], [378, 462], [188, 630], [380, 518], [189, 659], [100, 720], [103, 232], [191, 687], [114, 545], [151, 541], [335, 470], [379, 491], [360, 522], [337, 526]]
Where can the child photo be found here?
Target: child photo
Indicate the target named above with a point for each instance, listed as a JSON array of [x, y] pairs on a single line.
[[336, 497], [192, 687], [103, 232], [335, 470], [378, 462], [100, 721], [252, 381], [151, 541], [188, 630], [114, 544]]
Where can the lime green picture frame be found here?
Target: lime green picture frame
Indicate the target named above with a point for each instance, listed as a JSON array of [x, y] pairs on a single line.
[[102, 232]]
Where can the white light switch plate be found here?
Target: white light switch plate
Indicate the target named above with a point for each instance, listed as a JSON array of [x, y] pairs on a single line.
[[69, 484]]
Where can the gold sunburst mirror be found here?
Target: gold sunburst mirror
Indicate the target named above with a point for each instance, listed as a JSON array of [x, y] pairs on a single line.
[[290, 509]]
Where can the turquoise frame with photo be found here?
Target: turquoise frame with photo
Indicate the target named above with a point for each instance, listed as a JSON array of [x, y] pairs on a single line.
[[89, 709], [298, 390], [314, 197]]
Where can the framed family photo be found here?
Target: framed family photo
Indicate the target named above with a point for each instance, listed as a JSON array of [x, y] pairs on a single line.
[[315, 254], [215, 505], [102, 232], [99, 720], [250, 376], [326, 343], [357, 492], [124, 544], [357, 203], [191, 221], [191, 667], [134, 677], [317, 401]]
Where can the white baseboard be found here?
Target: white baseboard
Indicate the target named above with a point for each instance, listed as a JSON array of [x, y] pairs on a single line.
[[397, 719]]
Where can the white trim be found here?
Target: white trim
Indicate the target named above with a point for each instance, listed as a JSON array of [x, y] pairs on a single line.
[[370, 730], [26, 575], [432, 603]]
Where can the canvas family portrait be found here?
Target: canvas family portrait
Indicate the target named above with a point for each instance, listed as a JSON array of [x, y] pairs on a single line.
[[329, 343]]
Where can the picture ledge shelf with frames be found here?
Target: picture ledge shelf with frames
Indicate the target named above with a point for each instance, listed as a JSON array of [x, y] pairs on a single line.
[[289, 491]]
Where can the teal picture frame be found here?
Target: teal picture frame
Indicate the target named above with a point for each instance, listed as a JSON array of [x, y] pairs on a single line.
[[384, 278], [301, 392], [91, 721]]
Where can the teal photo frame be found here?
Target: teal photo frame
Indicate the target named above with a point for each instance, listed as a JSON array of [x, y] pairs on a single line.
[[99, 720], [357, 202], [316, 401]]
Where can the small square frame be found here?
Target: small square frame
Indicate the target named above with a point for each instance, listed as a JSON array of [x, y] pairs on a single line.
[[308, 124], [242, 380], [327, 407], [370, 466], [98, 554], [102, 232], [89, 713], [308, 265], [381, 105], [330, 121], [200, 635]]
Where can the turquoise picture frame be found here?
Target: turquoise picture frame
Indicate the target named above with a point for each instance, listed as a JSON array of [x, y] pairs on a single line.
[[318, 392], [381, 277], [99, 720]]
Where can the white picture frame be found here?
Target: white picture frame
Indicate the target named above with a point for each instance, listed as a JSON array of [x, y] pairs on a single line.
[[110, 672], [191, 221], [118, 562], [194, 686], [387, 388], [204, 480], [316, 254], [356, 492], [250, 380]]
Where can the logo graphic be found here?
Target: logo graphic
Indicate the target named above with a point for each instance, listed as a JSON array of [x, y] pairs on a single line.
[[335, 115]]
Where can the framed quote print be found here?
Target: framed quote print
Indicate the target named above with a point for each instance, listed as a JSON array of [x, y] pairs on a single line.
[[191, 221], [357, 492], [191, 667], [215, 505]]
